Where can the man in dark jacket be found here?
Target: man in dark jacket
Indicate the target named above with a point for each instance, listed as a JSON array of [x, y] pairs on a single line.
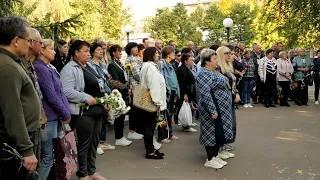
[[256, 55], [19, 102]]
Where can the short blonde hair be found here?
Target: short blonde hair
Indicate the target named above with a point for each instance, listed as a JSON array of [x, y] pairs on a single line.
[[47, 42], [221, 58]]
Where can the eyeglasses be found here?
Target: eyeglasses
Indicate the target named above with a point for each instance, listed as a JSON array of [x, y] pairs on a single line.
[[28, 40], [227, 53], [179, 55], [32, 40]]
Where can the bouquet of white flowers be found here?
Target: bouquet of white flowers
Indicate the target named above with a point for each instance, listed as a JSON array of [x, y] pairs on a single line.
[[114, 102]]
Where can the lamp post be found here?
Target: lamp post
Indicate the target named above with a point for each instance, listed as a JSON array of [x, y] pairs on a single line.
[[228, 23], [127, 28]]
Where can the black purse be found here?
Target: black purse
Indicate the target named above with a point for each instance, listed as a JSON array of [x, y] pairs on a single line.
[[308, 79]]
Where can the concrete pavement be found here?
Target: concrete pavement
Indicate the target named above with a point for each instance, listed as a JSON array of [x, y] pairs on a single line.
[[272, 144]]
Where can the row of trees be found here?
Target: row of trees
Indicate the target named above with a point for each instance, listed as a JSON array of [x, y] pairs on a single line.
[[294, 22], [64, 19]]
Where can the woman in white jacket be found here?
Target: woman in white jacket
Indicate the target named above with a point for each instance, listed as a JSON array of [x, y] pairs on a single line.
[[151, 78], [268, 76]]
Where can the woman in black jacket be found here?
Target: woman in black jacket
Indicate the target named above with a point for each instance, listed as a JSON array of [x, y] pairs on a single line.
[[186, 80], [118, 73], [60, 59]]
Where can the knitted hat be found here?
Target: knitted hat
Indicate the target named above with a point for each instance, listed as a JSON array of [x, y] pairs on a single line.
[[129, 46]]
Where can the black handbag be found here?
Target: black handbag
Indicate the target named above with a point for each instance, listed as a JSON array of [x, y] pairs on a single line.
[[308, 79]]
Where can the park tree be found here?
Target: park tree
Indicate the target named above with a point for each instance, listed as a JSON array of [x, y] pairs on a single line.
[[242, 16], [298, 21], [174, 25], [84, 19], [213, 24]]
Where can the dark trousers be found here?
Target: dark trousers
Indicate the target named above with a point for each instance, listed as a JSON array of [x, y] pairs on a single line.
[[88, 128], [134, 123], [118, 126], [163, 131], [285, 86], [316, 89], [255, 94], [261, 92], [270, 87], [301, 94], [212, 151], [11, 168], [147, 123]]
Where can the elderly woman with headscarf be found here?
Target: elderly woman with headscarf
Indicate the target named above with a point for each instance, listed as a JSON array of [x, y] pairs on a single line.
[[215, 108]]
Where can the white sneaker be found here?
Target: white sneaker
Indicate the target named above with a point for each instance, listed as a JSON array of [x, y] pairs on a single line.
[[316, 103], [249, 105], [189, 130], [107, 147], [135, 136], [193, 125], [221, 161], [123, 142], [222, 155], [226, 153], [213, 164], [156, 146], [245, 106], [127, 140], [100, 151]]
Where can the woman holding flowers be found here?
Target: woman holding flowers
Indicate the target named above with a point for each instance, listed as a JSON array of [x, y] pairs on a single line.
[[285, 71], [152, 79], [133, 70], [247, 79], [118, 73], [215, 108], [54, 103], [101, 69], [81, 84]]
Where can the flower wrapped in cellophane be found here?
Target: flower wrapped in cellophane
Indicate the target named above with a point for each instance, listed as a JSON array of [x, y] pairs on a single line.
[[114, 102]]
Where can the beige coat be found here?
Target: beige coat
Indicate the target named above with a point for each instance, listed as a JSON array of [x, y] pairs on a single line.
[[284, 67]]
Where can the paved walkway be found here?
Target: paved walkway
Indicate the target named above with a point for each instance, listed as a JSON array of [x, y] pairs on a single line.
[[272, 144]]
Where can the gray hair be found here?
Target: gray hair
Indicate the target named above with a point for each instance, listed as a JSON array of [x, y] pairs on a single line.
[[47, 42], [158, 41], [11, 27], [34, 33], [281, 53], [206, 55]]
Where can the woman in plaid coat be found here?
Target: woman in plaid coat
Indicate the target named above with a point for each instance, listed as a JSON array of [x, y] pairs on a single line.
[[215, 103]]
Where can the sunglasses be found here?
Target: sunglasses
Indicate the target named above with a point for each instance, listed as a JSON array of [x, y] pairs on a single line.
[[179, 55]]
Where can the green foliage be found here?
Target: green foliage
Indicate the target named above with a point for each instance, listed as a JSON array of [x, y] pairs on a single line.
[[213, 23], [243, 17], [174, 25], [85, 19]]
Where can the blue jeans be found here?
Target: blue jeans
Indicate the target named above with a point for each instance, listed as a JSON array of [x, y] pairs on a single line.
[[103, 133], [46, 161], [246, 89]]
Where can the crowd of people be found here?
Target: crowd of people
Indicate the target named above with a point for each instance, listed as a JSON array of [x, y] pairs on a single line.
[[43, 82]]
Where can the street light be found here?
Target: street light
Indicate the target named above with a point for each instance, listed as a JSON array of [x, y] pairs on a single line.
[[227, 22], [127, 28]]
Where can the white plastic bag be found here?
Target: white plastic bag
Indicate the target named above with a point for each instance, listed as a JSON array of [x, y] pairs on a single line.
[[185, 115]]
